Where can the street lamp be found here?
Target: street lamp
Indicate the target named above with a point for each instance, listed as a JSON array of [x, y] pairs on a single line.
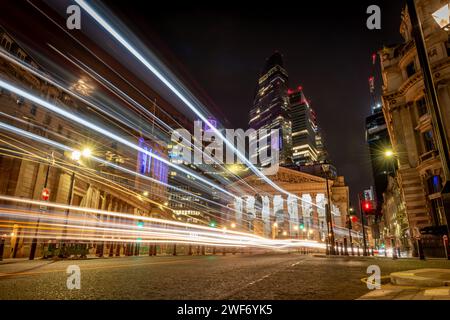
[[441, 16], [388, 153], [330, 231], [76, 156]]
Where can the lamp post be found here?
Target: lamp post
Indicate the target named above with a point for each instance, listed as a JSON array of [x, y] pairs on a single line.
[[34, 241], [362, 225], [331, 251], [75, 156], [350, 227], [442, 18]]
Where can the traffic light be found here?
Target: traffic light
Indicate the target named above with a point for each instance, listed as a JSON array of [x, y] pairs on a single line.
[[212, 224], [367, 206], [302, 226], [140, 224]]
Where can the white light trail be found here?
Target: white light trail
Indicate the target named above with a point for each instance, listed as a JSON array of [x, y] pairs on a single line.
[[104, 132], [177, 92]]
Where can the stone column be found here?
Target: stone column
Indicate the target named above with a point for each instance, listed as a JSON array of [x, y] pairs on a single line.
[[315, 217]]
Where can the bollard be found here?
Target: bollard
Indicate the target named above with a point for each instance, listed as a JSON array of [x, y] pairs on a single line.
[[399, 252], [118, 249], [446, 248], [345, 246], [420, 249], [336, 248], [111, 249], [394, 250], [342, 248], [99, 250], [174, 249], [2, 248], [357, 250], [137, 249], [372, 252]]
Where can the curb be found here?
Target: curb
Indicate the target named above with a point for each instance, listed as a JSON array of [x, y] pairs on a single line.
[[413, 278]]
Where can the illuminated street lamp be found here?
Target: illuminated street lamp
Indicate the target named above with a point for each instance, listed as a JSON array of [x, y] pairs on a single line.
[[233, 225], [441, 16], [388, 153], [86, 152], [330, 245]]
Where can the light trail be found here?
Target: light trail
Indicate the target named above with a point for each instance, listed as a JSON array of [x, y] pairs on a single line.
[[58, 145], [116, 35], [105, 132], [131, 233]]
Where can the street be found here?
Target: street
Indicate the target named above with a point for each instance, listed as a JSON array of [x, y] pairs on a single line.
[[241, 276]]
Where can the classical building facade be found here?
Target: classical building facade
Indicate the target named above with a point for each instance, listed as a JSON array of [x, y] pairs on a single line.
[[408, 119], [262, 210]]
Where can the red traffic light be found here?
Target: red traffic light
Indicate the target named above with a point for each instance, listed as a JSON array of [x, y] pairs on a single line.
[[45, 194], [367, 206]]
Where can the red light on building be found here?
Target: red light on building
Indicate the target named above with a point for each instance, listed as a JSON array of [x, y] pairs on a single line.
[[354, 219], [290, 91], [45, 194], [300, 88]]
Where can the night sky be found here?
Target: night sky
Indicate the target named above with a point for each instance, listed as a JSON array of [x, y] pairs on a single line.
[[220, 48], [326, 47]]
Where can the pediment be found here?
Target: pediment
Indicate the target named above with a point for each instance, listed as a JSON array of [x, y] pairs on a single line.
[[285, 175]]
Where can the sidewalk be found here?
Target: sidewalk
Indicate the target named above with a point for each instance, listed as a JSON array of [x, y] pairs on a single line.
[[419, 284]]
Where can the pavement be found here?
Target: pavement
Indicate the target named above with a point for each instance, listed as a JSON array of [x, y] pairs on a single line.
[[418, 284], [241, 276]]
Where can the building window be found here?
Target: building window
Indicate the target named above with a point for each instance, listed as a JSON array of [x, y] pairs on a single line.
[[428, 141], [33, 110], [47, 120], [421, 107], [437, 209], [434, 184], [410, 69]]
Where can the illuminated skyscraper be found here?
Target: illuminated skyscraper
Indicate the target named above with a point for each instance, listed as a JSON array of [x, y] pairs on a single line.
[[271, 105], [307, 142]]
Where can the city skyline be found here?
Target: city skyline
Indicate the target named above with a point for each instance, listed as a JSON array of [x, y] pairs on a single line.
[[224, 152]]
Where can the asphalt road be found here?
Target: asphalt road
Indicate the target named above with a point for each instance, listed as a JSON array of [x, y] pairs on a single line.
[[265, 276]]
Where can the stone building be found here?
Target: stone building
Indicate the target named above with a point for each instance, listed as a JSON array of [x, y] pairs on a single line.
[[261, 206], [408, 119], [27, 166]]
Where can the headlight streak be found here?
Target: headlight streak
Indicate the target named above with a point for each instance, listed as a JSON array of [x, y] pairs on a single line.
[[114, 90], [120, 232], [39, 74], [105, 132], [177, 92], [38, 138]]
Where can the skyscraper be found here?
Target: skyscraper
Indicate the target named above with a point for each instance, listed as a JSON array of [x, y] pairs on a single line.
[[271, 105], [307, 144]]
